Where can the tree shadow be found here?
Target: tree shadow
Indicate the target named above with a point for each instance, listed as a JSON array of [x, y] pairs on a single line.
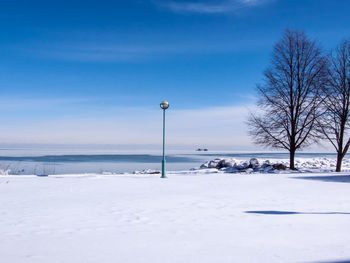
[[334, 261], [272, 212], [332, 178]]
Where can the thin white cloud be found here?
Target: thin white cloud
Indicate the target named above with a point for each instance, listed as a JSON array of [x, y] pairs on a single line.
[[211, 7], [214, 127], [193, 127], [33, 104], [97, 51]]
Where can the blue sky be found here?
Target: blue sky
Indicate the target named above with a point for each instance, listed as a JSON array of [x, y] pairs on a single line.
[[95, 71]]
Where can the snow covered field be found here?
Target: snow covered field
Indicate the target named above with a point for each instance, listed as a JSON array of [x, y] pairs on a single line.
[[189, 217]]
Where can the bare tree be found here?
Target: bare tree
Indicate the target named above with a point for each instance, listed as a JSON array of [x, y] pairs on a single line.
[[334, 124], [290, 96]]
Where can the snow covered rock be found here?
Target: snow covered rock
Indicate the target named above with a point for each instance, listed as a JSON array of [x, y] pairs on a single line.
[[254, 163], [147, 171], [266, 164], [219, 163], [242, 166], [230, 165], [214, 163], [227, 163], [249, 170], [4, 172]]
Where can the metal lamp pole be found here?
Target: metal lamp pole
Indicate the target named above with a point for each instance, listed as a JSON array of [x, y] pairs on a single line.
[[164, 105]]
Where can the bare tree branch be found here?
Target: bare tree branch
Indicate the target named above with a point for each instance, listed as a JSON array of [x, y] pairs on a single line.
[[291, 95], [335, 123]]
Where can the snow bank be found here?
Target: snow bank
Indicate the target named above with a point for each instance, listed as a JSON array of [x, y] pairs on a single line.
[[231, 165]]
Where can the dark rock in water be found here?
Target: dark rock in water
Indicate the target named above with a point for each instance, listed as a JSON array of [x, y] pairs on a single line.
[[279, 166]]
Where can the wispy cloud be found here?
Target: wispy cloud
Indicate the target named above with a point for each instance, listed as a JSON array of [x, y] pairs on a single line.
[[140, 125], [97, 52], [100, 52], [9, 104], [211, 7], [76, 51]]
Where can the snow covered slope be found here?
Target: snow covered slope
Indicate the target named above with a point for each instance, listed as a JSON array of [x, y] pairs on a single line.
[[185, 218]]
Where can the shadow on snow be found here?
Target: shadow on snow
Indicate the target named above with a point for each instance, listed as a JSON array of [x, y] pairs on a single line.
[[272, 212], [334, 261], [332, 178]]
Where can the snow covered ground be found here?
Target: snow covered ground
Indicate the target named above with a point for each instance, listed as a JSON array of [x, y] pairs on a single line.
[[188, 217]]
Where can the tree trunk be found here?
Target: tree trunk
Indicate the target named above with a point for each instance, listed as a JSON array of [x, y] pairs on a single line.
[[291, 159], [339, 162]]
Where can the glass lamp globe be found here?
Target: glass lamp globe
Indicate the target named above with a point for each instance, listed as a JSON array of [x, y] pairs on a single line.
[[164, 104]]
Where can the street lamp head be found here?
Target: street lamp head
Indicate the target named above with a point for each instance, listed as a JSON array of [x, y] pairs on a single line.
[[164, 105]]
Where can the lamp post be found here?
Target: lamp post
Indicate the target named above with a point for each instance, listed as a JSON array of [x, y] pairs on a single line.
[[164, 105]]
